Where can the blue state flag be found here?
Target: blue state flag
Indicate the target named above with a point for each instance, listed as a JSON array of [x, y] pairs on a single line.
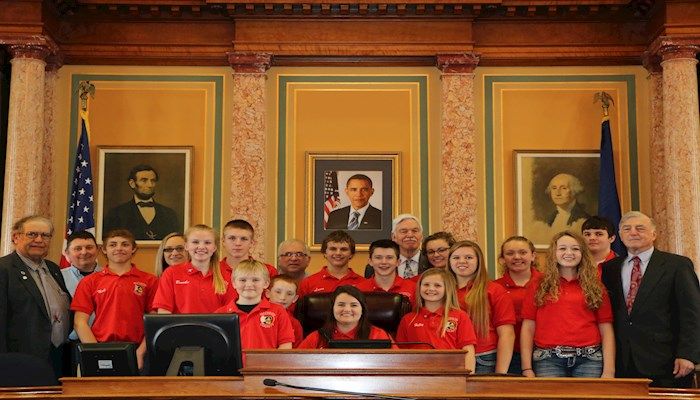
[[608, 200]]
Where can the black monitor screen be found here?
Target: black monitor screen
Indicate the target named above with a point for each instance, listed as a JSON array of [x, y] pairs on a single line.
[[360, 344], [193, 344], [108, 359]]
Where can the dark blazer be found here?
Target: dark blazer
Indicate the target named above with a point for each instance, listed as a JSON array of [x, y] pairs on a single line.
[[577, 212], [25, 326], [665, 318], [338, 219], [128, 216]]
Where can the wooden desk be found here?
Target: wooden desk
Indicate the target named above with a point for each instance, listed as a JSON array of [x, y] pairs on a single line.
[[404, 373]]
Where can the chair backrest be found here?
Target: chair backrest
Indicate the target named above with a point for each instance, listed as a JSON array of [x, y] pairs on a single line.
[[384, 310], [22, 370]]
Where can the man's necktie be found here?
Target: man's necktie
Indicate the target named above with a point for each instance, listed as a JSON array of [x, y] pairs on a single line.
[[57, 306], [408, 271], [635, 280], [354, 221]]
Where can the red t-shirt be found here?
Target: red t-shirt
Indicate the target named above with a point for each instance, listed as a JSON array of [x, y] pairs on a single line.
[[502, 313], [267, 326], [568, 321], [323, 282], [313, 341], [426, 326], [404, 287], [517, 294], [118, 301], [182, 289], [272, 271]]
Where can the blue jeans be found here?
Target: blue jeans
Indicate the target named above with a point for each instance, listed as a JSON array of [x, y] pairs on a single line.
[[547, 364], [486, 363], [515, 367]]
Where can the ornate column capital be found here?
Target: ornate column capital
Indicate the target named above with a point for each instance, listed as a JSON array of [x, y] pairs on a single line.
[[670, 48], [54, 62], [249, 63], [35, 51], [461, 63]]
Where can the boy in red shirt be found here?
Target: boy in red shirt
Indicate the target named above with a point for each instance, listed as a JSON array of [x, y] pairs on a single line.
[[599, 233], [337, 248], [264, 325], [384, 259], [119, 295], [238, 239], [283, 291]]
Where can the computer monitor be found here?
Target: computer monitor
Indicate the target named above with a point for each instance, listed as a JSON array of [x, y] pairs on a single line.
[[360, 344], [193, 344], [108, 359]]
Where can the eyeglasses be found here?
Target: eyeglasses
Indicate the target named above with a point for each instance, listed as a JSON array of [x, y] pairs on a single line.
[[299, 254], [34, 235], [441, 250], [179, 249]]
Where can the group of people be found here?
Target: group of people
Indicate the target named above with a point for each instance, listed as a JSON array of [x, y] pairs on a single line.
[[585, 312]]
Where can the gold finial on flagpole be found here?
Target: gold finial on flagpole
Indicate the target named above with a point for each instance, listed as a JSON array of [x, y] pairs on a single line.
[[85, 89], [605, 99]]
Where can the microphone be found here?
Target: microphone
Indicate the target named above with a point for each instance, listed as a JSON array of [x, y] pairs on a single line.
[[273, 382]]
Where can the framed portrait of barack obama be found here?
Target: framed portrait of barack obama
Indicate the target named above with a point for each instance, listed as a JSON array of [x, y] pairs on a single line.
[[555, 191], [354, 192], [145, 190]]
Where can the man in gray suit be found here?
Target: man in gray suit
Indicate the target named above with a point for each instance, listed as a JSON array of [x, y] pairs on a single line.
[[34, 302], [656, 304]]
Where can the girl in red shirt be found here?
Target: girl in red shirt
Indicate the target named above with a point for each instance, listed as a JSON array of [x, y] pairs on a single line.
[[436, 248], [488, 305], [518, 260], [437, 320], [171, 252], [347, 320], [567, 319], [199, 285]]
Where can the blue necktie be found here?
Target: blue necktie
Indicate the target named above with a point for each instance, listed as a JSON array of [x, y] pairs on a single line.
[[354, 222]]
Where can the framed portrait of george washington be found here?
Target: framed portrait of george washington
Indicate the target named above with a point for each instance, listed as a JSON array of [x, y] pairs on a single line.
[[355, 192], [145, 190], [555, 191]]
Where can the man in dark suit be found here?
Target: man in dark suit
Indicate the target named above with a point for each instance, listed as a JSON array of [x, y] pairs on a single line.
[[34, 301], [656, 304], [145, 218], [359, 214]]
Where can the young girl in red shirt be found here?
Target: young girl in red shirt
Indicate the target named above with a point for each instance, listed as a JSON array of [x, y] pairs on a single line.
[[518, 260], [437, 320], [347, 320], [488, 305], [567, 319]]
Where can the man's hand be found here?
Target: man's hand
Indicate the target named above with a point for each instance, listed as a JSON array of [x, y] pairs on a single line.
[[682, 367]]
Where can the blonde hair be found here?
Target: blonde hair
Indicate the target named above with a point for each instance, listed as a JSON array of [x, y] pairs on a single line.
[[251, 267], [160, 255], [220, 284], [548, 289], [449, 301], [476, 299]]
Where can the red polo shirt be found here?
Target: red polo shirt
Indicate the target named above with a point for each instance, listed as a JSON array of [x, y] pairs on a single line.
[[313, 341], [426, 326], [225, 267], [404, 287], [118, 301], [323, 282], [182, 289], [502, 313], [609, 257], [517, 294], [298, 330], [568, 321], [267, 326]]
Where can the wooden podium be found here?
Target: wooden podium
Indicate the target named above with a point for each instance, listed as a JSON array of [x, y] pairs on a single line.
[[424, 374]]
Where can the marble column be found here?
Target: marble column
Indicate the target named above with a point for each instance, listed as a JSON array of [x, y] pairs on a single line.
[[682, 138], [458, 136], [657, 147], [53, 63], [248, 196], [24, 165]]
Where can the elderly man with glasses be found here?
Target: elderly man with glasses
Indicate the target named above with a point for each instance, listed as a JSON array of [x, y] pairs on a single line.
[[34, 301], [293, 258]]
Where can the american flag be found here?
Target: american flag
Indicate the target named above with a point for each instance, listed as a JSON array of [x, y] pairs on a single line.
[[80, 212], [330, 193]]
